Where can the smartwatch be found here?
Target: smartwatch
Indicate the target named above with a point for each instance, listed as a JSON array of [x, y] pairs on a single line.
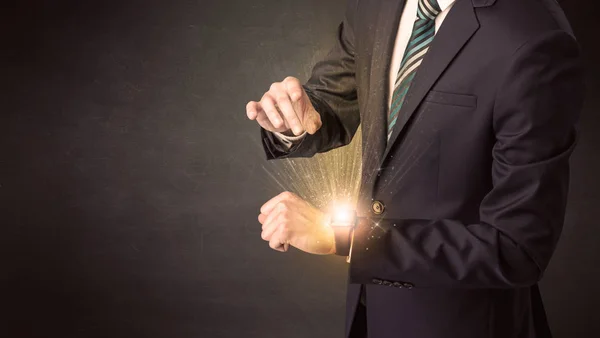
[[343, 222]]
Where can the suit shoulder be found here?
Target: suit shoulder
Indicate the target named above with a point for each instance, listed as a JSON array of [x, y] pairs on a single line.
[[511, 23]]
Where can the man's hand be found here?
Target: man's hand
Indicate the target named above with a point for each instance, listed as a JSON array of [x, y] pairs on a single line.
[[289, 220], [285, 107]]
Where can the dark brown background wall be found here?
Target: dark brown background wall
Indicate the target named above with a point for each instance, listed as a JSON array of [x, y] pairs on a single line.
[[130, 179]]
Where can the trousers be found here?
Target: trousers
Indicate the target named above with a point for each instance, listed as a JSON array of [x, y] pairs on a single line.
[[359, 325]]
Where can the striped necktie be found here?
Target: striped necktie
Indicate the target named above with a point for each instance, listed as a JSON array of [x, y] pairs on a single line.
[[418, 45]]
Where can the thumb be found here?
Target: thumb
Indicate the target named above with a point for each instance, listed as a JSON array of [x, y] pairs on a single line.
[[312, 121]]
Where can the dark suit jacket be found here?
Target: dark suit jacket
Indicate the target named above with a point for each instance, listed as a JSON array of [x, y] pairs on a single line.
[[475, 176]]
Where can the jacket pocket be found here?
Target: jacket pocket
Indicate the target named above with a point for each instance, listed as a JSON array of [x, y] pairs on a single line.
[[451, 99]]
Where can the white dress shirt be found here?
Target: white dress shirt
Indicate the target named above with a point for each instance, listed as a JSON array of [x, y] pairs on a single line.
[[407, 20]]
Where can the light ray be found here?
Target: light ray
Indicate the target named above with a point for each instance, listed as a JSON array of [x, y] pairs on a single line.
[[328, 177]]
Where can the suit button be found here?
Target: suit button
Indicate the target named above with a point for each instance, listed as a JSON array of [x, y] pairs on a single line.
[[397, 285], [377, 281], [377, 207], [408, 285], [387, 283]]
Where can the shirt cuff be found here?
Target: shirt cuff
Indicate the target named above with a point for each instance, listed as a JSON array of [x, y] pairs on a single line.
[[289, 141]]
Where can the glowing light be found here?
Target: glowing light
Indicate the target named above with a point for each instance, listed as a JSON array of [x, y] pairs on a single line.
[[331, 176], [336, 175], [326, 177], [343, 216]]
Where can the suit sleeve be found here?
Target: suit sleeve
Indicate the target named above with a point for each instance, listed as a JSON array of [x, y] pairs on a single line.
[[534, 121], [332, 91]]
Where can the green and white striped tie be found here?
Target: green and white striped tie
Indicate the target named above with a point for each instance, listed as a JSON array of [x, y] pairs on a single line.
[[418, 45]]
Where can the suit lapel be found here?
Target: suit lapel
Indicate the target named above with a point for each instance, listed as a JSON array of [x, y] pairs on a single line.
[[457, 28], [374, 127], [386, 23]]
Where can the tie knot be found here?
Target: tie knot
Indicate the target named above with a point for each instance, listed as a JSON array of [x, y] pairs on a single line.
[[428, 9]]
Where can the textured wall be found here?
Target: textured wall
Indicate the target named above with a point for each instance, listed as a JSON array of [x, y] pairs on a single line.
[[130, 180]]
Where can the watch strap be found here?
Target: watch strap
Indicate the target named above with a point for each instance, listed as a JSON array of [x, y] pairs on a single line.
[[343, 239]]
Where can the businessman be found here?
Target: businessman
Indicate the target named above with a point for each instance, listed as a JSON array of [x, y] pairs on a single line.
[[468, 110]]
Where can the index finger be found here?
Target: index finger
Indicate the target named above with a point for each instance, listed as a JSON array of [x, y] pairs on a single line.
[[294, 88], [283, 101], [252, 109]]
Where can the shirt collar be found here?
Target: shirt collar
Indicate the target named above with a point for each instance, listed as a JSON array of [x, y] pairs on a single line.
[[444, 4]]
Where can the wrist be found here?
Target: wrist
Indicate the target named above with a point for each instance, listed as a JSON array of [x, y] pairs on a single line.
[[330, 235]]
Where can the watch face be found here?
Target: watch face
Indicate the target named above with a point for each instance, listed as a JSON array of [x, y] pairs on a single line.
[[343, 216]]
